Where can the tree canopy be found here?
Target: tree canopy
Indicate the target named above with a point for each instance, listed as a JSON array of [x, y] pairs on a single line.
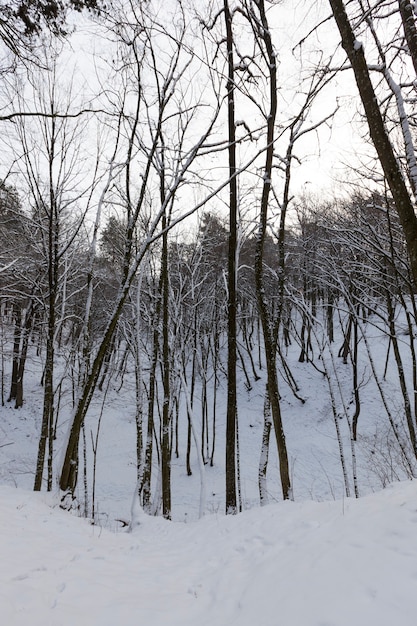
[[22, 20]]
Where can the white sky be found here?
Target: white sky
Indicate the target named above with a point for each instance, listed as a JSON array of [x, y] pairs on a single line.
[[324, 154]]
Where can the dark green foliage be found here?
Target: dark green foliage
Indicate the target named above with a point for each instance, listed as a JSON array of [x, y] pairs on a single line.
[[30, 16], [22, 20]]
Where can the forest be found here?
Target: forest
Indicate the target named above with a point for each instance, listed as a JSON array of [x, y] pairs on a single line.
[[162, 250]]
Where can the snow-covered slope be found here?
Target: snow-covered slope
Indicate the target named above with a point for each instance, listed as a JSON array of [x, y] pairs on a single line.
[[289, 564]]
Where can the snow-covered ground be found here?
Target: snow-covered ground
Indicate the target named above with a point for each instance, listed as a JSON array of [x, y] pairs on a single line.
[[323, 560], [333, 563], [312, 443]]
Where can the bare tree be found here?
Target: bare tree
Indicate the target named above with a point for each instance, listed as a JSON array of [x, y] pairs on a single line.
[[373, 107], [53, 179], [22, 19], [231, 419], [164, 110]]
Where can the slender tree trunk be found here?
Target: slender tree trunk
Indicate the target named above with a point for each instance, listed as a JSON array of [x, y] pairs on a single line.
[[401, 374], [329, 315], [264, 309], [17, 311], [408, 18], [216, 341], [356, 394], [48, 404], [201, 464], [166, 414], [138, 386], [24, 344], [263, 461], [345, 349], [193, 374], [147, 465], [2, 312], [231, 417], [53, 262]]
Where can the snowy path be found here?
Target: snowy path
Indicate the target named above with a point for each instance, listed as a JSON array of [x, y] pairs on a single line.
[[306, 564]]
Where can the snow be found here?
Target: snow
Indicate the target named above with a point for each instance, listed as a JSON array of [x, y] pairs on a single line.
[[299, 564], [333, 562], [309, 428]]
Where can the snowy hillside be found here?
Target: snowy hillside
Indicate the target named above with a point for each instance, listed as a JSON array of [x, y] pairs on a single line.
[[294, 564], [189, 333], [312, 440]]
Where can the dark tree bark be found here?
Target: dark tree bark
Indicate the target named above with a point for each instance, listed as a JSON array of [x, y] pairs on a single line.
[[329, 315], [345, 348], [52, 212], [401, 372], [24, 338], [231, 418], [166, 366], [356, 395], [267, 326], [410, 31], [17, 313], [147, 465]]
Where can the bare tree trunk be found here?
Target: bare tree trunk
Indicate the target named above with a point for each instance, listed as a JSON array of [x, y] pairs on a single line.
[[231, 418], [216, 340], [378, 132], [166, 413], [263, 461], [410, 31], [269, 343], [356, 394], [147, 463], [201, 465], [329, 315], [21, 363], [17, 311], [2, 312], [48, 398], [401, 373], [345, 349]]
